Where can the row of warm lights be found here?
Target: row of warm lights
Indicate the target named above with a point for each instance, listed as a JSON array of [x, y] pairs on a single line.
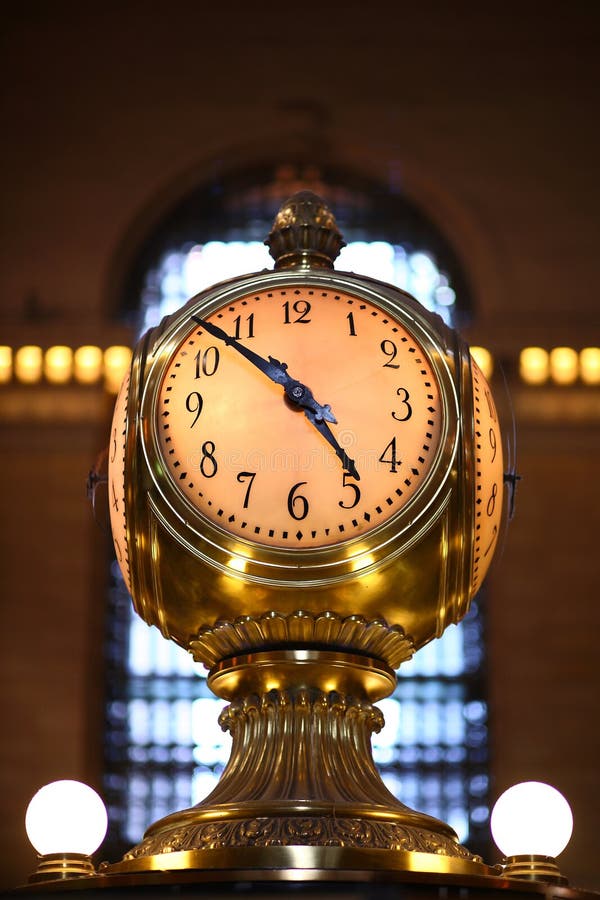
[[60, 364], [562, 365], [66, 822], [89, 364]]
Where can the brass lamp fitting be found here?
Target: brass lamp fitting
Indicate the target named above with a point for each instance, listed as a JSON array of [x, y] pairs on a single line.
[[533, 867], [57, 866]]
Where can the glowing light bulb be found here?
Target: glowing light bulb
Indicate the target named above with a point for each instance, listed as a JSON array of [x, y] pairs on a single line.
[[58, 364], [531, 818], [564, 365], [66, 817], [589, 364], [28, 364], [88, 364], [534, 365], [6, 362]]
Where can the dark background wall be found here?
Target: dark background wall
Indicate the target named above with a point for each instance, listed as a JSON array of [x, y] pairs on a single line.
[[487, 118]]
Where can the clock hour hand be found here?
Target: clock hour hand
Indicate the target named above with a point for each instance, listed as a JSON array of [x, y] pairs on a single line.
[[325, 430]]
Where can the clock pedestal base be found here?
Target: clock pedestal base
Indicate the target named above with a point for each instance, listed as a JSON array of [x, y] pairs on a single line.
[[301, 785]]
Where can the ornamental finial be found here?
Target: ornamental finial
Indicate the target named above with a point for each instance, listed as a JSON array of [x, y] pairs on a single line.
[[304, 233]]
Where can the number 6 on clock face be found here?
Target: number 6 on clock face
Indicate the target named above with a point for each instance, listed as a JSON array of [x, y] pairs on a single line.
[[260, 443]]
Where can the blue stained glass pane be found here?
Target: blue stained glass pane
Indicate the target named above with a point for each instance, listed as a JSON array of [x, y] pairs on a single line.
[[141, 651], [204, 781], [139, 722], [458, 819]]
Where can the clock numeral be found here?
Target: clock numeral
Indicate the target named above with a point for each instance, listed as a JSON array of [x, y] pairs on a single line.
[[407, 408], [249, 320], [194, 404], [241, 478], [300, 308], [491, 504], [351, 327], [207, 361], [208, 463], [389, 349], [491, 543], [297, 504], [392, 460], [355, 489], [113, 454], [490, 405], [493, 445]]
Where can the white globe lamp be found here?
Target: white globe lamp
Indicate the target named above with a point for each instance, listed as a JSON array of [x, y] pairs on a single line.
[[532, 824], [66, 822]]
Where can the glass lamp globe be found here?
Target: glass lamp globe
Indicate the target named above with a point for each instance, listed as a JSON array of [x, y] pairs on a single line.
[[66, 822], [531, 824]]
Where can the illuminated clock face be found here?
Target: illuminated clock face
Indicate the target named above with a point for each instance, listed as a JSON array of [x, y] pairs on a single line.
[[116, 479], [299, 417], [489, 478]]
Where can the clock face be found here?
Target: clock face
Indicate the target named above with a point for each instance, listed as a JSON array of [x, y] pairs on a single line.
[[116, 479], [323, 430], [489, 477]]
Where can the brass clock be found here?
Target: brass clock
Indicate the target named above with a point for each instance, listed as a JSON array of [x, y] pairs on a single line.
[[306, 470], [303, 431]]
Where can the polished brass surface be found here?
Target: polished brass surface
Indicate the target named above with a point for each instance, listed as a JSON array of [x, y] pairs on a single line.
[[301, 770], [273, 630], [283, 670], [304, 233], [59, 866], [294, 863], [533, 867], [414, 572]]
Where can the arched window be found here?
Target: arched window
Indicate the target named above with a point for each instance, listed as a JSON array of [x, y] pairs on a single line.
[[164, 748]]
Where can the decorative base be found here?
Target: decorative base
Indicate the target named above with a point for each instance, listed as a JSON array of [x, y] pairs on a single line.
[[300, 788], [301, 773], [312, 831], [295, 863]]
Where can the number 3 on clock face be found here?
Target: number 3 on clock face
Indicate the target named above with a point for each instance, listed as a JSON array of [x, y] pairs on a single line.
[[261, 443]]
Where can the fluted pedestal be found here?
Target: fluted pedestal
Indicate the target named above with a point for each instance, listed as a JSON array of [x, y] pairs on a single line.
[[301, 775]]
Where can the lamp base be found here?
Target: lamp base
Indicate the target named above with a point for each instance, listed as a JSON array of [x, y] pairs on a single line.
[[58, 866], [533, 867]]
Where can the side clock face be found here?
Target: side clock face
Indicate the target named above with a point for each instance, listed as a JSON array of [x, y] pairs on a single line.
[[298, 417], [489, 477], [116, 479]]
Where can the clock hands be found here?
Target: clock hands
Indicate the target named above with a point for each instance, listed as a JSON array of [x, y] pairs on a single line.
[[323, 427], [296, 392]]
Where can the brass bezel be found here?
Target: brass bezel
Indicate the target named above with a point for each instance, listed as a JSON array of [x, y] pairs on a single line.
[[312, 567]]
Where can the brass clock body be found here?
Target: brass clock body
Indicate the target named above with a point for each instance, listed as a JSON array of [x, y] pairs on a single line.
[[236, 505], [306, 475]]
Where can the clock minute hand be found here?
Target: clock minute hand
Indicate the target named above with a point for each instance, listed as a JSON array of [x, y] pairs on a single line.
[[299, 394], [272, 368], [325, 430]]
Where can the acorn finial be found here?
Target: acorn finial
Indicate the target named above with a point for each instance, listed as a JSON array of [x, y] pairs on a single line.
[[304, 233]]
